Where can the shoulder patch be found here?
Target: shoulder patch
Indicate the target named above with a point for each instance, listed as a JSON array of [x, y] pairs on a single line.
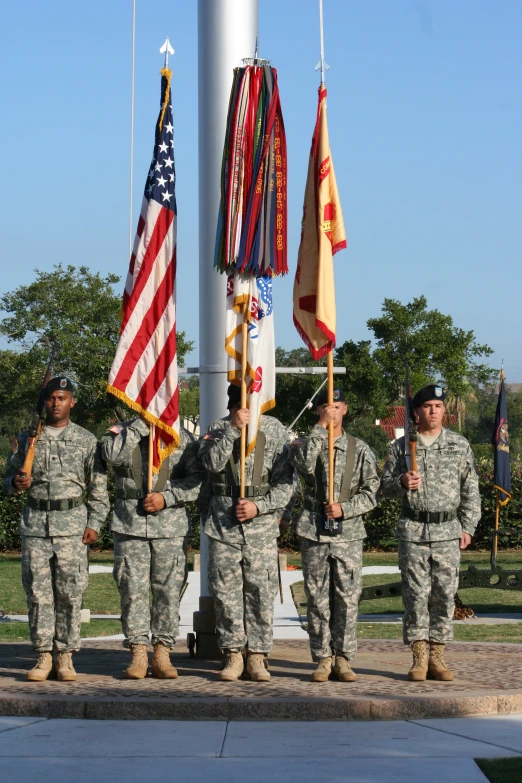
[[116, 428], [14, 445]]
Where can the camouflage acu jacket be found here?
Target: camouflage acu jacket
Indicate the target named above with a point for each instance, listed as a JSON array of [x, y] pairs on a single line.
[[449, 481], [185, 476], [304, 453], [64, 467], [214, 452]]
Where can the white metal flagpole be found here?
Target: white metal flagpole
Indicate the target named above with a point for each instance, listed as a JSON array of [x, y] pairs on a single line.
[[131, 167], [322, 65], [227, 31]]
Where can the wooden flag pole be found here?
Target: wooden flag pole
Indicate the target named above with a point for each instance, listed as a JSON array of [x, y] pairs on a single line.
[[495, 537], [151, 457], [244, 351], [331, 476]]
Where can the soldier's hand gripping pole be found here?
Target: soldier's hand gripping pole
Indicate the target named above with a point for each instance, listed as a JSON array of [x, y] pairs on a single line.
[[36, 425]]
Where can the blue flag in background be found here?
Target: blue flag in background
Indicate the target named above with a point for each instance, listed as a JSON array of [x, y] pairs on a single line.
[[502, 471]]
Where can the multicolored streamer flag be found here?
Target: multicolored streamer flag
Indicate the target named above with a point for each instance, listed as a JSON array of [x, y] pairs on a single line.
[[322, 236], [144, 373], [252, 223], [251, 242], [502, 469], [251, 298]]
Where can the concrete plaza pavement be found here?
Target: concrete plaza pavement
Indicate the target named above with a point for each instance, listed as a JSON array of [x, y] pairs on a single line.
[[57, 751]]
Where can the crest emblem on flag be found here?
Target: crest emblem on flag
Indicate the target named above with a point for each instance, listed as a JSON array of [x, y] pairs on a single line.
[[253, 296]]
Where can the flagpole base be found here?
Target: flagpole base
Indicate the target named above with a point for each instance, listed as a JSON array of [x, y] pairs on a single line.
[[204, 624]]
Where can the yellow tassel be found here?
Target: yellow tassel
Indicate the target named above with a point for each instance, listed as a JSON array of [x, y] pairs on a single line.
[[163, 453], [167, 73]]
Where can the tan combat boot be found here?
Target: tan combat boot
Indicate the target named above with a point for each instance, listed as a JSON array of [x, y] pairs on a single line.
[[64, 667], [323, 671], [342, 670], [43, 668], [233, 668], [137, 669], [437, 669], [161, 665], [256, 668], [419, 668]]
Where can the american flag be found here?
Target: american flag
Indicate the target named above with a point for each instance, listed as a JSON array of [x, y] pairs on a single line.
[[144, 373]]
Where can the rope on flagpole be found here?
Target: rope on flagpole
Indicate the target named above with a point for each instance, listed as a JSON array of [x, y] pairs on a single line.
[[132, 125]]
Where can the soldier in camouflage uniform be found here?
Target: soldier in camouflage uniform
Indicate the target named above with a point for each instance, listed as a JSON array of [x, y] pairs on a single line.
[[429, 530], [150, 536], [56, 526], [242, 535], [331, 536]]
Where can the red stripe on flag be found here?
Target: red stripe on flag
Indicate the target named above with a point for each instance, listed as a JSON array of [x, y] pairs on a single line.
[[148, 325], [159, 371], [171, 412], [161, 228]]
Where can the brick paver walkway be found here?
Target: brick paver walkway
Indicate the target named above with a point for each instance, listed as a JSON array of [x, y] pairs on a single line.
[[488, 681]]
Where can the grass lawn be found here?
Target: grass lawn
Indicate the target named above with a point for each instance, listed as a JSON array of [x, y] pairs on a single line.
[[470, 632], [19, 632], [501, 770], [101, 596]]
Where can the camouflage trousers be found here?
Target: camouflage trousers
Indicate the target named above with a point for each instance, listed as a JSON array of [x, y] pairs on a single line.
[[243, 581], [333, 584], [143, 566], [429, 574], [54, 577]]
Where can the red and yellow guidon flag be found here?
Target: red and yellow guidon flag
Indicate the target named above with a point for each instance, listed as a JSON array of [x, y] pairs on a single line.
[[322, 235]]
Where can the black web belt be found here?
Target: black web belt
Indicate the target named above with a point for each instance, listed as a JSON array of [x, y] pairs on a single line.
[[432, 517], [233, 491], [55, 505], [137, 494], [130, 494]]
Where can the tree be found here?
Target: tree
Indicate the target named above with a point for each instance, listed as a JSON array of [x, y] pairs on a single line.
[[375, 376], [80, 311], [431, 343], [189, 401]]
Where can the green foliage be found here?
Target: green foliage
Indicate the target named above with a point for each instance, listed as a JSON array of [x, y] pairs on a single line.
[[80, 311], [480, 420], [501, 770], [365, 429], [189, 400], [374, 379], [432, 344]]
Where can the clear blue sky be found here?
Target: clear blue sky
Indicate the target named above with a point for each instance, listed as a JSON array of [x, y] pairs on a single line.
[[425, 118]]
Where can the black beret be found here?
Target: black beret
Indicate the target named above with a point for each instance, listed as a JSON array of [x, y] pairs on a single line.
[[322, 397], [58, 384], [234, 396], [427, 393]]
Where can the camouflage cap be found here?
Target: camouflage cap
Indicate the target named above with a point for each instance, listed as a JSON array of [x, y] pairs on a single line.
[[431, 392]]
